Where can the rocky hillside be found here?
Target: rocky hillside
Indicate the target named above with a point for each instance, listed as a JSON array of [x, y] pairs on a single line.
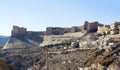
[[91, 59], [55, 59], [93, 49], [57, 39], [107, 60]]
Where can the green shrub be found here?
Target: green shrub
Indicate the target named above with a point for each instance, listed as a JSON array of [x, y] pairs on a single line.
[[92, 57], [107, 61]]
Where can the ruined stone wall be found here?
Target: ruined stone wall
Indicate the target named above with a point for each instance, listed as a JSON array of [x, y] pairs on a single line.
[[23, 31], [114, 24], [75, 29], [103, 29], [67, 30], [54, 30], [107, 26], [36, 33], [18, 31], [86, 25], [49, 30], [59, 30], [80, 28], [91, 27]]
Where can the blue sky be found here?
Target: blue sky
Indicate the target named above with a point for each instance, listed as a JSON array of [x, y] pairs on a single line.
[[36, 15]]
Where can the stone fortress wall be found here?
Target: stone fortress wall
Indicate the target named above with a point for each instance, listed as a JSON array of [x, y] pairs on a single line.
[[114, 24], [60, 30], [91, 27], [109, 28], [88, 27], [18, 31], [103, 29], [49, 31], [23, 31], [21, 37]]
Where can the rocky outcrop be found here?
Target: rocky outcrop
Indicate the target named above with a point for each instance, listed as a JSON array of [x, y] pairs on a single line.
[[113, 67], [75, 44], [97, 66]]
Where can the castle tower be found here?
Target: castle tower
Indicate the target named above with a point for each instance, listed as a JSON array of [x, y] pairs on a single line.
[[18, 31]]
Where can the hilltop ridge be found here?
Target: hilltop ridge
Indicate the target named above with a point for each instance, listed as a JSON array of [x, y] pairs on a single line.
[[94, 47], [21, 38]]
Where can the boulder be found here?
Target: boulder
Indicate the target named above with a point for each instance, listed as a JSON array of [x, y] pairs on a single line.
[[97, 66], [75, 44], [113, 67]]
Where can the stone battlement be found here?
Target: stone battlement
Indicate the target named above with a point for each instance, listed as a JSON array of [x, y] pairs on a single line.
[[49, 31], [91, 27], [60, 30], [18, 30], [23, 31], [88, 27]]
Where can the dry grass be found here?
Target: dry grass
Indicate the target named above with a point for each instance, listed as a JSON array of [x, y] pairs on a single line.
[[4, 66], [98, 57], [92, 57]]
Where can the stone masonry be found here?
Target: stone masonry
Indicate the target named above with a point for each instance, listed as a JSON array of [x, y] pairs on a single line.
[[18, 31], [91, 27], [87, 27]]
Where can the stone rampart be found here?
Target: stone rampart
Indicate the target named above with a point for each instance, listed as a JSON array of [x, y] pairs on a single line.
[[18, 30], [91, 27]]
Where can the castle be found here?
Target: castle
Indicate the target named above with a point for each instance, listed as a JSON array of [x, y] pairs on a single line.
[[22, 38], [87, 27]]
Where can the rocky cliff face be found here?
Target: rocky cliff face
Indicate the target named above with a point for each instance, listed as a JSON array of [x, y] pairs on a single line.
[[21, 38]]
